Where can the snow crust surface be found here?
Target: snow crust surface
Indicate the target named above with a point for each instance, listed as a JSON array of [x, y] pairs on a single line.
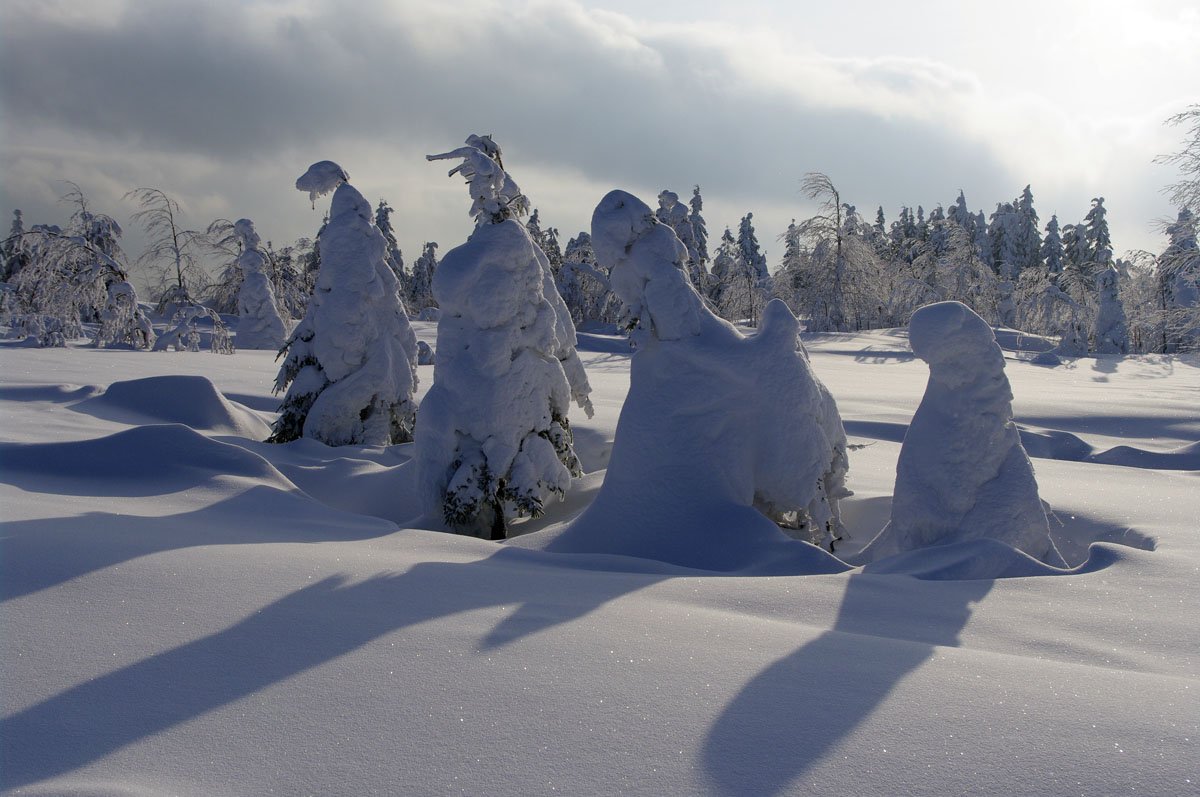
[[188, 611]]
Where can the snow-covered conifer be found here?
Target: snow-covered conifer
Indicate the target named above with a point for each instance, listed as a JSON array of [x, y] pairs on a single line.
[[394, 258], [493, 442], [350, 367], [420, 282], [1110, 332], [1051, 250], [259, 324], [1099, 242], [962, 472], [699, 231]]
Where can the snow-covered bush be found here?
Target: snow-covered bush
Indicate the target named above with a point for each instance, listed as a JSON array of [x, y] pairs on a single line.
[[493, 441], [122, 321], [183, 334], [259, 324], [350, 370], [962, 472], [716, 425]]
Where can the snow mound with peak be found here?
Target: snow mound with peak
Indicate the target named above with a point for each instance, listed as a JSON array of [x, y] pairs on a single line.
[[962, 472], [721, 434], [144, 460], [178, 398]]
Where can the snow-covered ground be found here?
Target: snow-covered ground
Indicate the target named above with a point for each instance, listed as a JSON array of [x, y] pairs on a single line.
[[187, 610]]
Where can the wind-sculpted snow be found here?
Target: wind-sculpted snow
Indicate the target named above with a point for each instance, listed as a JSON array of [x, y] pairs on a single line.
[[721, 434], [962, 473], [189, 400], [144, 460], [173, 613]]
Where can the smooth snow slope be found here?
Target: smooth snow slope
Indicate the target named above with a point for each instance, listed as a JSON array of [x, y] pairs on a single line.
[[187, 611]]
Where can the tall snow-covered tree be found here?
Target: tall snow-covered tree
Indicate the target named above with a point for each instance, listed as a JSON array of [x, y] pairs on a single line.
[[350, 369], [1099, 242], [493, 442], [395, 258], [1051, 251], [259, 324], [1110, 335], [1178, 278], [1027, 241], [420, 282], [14, 252], [699, 232]]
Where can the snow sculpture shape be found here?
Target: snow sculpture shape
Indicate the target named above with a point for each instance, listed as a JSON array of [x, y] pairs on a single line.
[[962, 473], [720, 434], [493, 442], [1110, 333], [351, 366], [259, 324]]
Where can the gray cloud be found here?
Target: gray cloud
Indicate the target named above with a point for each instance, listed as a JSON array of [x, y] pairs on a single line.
[[224, 103]]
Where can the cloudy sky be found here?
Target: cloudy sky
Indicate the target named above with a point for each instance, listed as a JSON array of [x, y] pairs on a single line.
[[223, 103]]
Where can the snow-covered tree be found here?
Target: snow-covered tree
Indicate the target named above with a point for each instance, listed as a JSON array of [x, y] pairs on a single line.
[[584, 286], [674, 214], [1178, 280], [1109, 332], [171, 254], [721, 433], [963, 473], [14, 251], [259, 324], [493, 442], [1099, 242], [1051, 251], [122, 322], [699, 234], [838, 255], [1186, 192], [395, 258], [350, 366], [66, 280], [420, 282], [1027, 239]]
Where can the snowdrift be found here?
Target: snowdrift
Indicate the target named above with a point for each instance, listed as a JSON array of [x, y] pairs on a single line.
[[187, 610]]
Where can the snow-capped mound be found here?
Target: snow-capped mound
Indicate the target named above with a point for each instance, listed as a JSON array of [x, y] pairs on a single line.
[[190, 400], [962, 473], [146, 460]]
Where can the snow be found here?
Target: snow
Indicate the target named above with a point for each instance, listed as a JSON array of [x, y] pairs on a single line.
[[962, 473], [350, 365], [720, 432], [190, 611], [259, 326], [321, 178]]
